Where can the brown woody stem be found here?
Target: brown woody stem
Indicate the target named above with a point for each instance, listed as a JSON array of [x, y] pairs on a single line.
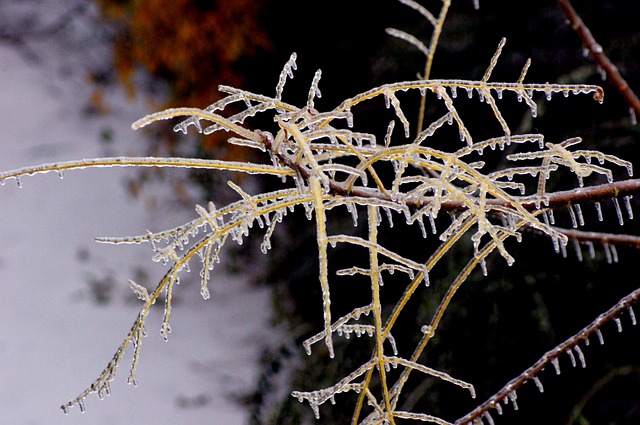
[[598, 55]]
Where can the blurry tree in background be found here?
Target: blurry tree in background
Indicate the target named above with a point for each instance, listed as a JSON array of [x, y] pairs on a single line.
[[192, 45]]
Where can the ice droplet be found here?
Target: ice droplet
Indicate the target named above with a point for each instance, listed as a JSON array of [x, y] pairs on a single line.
[[632, 316], [552, 218], [618, 211], [483, 265], [315, 408], [578, 210], [614, 253], [487, 415], [469, 92], [536, 380], [513, 397], [204, 292], [576, 245], [573, 358], [627, 204], [577, 349]]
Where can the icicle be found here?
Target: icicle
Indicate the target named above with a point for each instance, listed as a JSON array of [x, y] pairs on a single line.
[[469, 92], [599, 210], [19, 182], [513, 397], [552, 219], [618, 324], [556, 364], [632, 316], [618, 211], [600, 338], [627, 204], [389, 216], [287, 71], [632, 114], [592, 251], [387, 138], [614, 253], [578, 209], [572, 214], [583, 363], [487, 415], [204, 292], [536, 380], [607, 252], [315, 408], [483, 265], [573, 358], [422, 229], [354, 213], [432, 222], [81, 406], [563, 250], [576, 245]]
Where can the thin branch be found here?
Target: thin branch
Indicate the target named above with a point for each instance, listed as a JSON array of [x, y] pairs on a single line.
[[601, 238], [550, 356], [598, 55]]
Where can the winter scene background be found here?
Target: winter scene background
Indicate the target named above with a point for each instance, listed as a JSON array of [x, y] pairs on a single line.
[[65, 303]]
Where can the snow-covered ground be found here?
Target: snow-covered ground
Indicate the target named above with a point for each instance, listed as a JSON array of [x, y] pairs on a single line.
[[54, 338]]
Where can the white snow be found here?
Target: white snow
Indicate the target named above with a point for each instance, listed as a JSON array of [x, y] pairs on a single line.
[[54, 340]]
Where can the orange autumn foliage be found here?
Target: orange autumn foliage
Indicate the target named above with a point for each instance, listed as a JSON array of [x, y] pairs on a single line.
[[193, 45]]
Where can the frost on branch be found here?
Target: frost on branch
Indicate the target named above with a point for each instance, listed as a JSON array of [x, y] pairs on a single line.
[[328, 166]]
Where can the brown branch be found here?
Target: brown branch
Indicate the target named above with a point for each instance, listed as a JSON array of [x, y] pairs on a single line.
[[601, 238], [590, 194], [508, 391], [598, 55], [560, 199]]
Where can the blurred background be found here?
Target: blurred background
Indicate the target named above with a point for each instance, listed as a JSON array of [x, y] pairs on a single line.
[[76, 74]]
